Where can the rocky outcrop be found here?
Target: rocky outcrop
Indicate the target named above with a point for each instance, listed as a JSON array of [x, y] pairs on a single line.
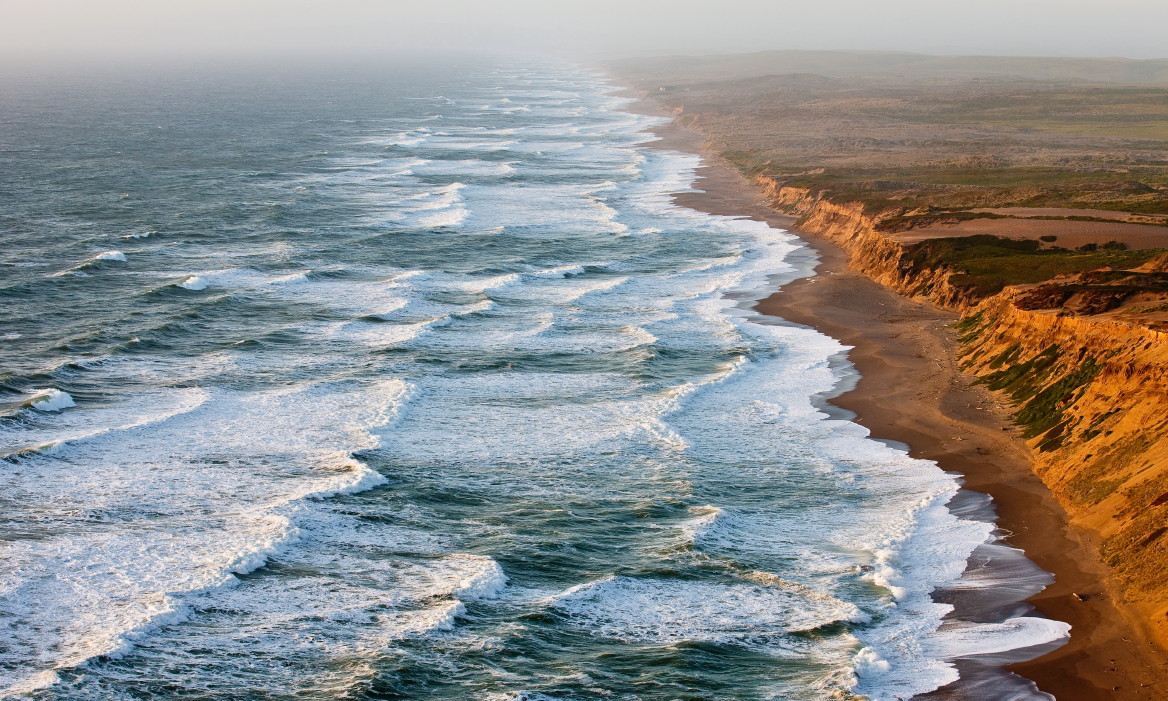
[[1090, 393]]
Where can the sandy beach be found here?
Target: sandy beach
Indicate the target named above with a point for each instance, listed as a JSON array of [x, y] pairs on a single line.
[[911, 391]]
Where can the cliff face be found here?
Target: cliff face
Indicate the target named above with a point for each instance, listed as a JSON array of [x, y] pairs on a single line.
[[886, 261], [1090, 393], [1092, 401]]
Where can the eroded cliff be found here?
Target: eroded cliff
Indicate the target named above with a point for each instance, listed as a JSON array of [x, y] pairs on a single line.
[[1081, 357]]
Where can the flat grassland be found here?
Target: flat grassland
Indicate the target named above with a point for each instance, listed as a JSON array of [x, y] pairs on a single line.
[[926, 133]]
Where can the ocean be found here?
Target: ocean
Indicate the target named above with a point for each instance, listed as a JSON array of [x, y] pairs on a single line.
[[415, 383]]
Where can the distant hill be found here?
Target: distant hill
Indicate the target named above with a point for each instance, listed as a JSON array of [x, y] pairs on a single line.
[[900, 65]]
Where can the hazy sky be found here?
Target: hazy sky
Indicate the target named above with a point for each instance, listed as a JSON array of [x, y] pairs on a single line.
[[35, 30]]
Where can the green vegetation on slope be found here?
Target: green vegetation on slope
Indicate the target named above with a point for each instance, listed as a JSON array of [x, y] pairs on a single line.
[[985, 264]]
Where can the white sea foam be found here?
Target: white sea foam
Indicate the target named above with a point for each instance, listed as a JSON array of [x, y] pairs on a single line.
[[384, 335], [290, 279], [239, 278], [444, 219], [51, 400], [250, 467], [195, 282], [481, 577], [414, 137], [465, 168], [916, 544], [704, 519], [74, 427], [558, 271], [474, 144], [442, 198], [603, 417], [673, 611], [79, 269], [380, 298], [969, 639]]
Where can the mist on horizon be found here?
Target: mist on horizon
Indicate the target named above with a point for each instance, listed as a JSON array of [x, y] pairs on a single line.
[[84, 32]]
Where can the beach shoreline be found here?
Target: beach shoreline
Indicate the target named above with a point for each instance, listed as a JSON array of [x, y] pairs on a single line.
[[911, 391]]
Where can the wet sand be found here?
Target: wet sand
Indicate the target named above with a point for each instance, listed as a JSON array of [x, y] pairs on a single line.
[[911, 391]]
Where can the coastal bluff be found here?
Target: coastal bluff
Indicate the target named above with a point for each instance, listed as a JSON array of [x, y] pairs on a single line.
[[1011, 214], [1088, 384]]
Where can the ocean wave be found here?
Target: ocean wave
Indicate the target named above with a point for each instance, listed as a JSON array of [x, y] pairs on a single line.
[[390, 335], [442, 198], [136, 583], [194, 282], [478, 577], [26, 438], [473, 144], [466, 168], [50, 400], [672, 611], [91, 262], [447, 218], [559, 271], [414, 137], [239, 278], [971, 639]]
